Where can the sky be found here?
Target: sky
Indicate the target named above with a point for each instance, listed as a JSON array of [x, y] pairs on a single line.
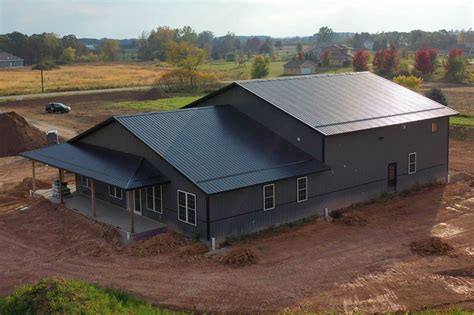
[[276, 18]]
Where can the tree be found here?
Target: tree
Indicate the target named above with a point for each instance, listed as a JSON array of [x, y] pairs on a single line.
[[260, 67], [455, 65], [426, 60], [437, 95], [278, 44], [299, 51], [385, 61], [186, 34], [411, 82], [253, 44], [109, 49], [356, 41], [204, 41], [325, 35], [326, 58], [185, 56], [359, 62], [68, 55]]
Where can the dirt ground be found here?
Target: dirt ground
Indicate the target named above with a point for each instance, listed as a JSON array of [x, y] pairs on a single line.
[[365, 264], [460, 96]]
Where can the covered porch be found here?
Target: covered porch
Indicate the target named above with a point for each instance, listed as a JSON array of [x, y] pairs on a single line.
[[124, 172]]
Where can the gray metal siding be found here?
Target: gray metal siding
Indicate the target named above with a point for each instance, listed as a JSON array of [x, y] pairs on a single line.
[[274, 119], [359, 163], [116, 137]]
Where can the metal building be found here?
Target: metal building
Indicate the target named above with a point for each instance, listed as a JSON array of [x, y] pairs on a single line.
[[262, 152]]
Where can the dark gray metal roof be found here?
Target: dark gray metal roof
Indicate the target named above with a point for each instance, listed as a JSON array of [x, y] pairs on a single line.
[[219, 148], [299, 63], [116, 168], [340, 103]]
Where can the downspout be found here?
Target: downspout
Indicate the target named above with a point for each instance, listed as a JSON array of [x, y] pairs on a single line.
[[208, 219]]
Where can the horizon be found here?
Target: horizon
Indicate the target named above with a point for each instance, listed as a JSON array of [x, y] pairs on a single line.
[[86, 19]]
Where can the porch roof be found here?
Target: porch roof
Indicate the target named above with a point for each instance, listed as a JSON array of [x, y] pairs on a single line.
[[120, 169]]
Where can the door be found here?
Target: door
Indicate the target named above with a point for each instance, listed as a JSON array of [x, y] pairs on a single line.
[[137, 201], [392, 176]]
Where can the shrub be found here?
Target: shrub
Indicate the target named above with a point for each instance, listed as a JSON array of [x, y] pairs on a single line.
[[180, 80], [359, 62], [326, 58], [411, 82], [455, 65], [437, 95], [230, 57], [426, 60], [402, 69], [47, 65], [260, 67], [336, 214]]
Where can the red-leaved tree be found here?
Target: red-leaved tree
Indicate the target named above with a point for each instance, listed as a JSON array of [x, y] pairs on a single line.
[[426, 60], [359, 62], [385, 61]]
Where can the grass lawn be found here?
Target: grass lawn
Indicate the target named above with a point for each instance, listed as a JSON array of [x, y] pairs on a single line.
[[87, 76], [462, 120], [155, 105]]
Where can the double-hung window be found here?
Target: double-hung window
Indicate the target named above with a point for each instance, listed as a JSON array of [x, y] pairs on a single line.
[[86, 182], [302, 189], [154, 198], [115, 192], [187, 207], [412, 163], [268, 197]]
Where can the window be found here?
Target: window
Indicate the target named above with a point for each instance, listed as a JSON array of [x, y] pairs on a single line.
[[153, 199], [86, 182], [268, 197], [434, 127], [187, 207], [412, 163], [302, 189], [115, 192]]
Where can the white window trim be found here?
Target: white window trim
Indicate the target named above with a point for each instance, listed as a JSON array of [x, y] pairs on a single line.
[[409, 163], [273, 196], [298, 189], [154, 200], [87, 182], [115, 188], [186, 206]]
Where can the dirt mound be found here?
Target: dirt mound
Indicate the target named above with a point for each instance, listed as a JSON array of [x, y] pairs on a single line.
[[238, 257], [466, 273], [430, 246], [193, 251], [18, 135], [348, 218], [163, 243]]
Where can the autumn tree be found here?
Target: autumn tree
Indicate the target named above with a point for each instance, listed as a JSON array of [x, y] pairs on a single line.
[[109, 49], [299, 51], [68, 55], [260, 67], [326, 58], [359, 62], [455, 65], [426, 60], [385, 61]]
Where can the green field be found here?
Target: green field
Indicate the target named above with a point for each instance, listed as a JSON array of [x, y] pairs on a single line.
[[462, 120], [155, 105], [228, 71]]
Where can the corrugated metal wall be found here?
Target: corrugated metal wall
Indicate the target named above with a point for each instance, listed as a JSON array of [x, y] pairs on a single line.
[[359, 163]]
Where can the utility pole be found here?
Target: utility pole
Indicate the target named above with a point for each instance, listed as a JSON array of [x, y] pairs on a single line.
[[42, 79]]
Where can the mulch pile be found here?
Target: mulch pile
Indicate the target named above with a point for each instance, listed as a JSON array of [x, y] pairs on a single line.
[[465, 273], [238, 257], [193, 251], [162, 243], [18, 135], [430, 246]]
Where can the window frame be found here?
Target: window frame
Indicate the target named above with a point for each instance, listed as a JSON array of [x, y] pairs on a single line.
[[298, 189], [411, 163], [186, 194], [115, 189], [87, 183], [434, 127], [265, 198], [153, 196]]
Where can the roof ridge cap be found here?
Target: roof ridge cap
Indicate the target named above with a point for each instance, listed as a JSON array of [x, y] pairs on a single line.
[[300, 77], [166, 111]]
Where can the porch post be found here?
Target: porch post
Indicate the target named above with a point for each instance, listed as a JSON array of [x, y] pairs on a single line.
[[130, 209], [93, 197], [33, 182], [60, 185]]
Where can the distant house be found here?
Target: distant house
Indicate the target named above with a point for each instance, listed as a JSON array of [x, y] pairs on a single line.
[[297, 67], [340, 55], [9, 61]]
